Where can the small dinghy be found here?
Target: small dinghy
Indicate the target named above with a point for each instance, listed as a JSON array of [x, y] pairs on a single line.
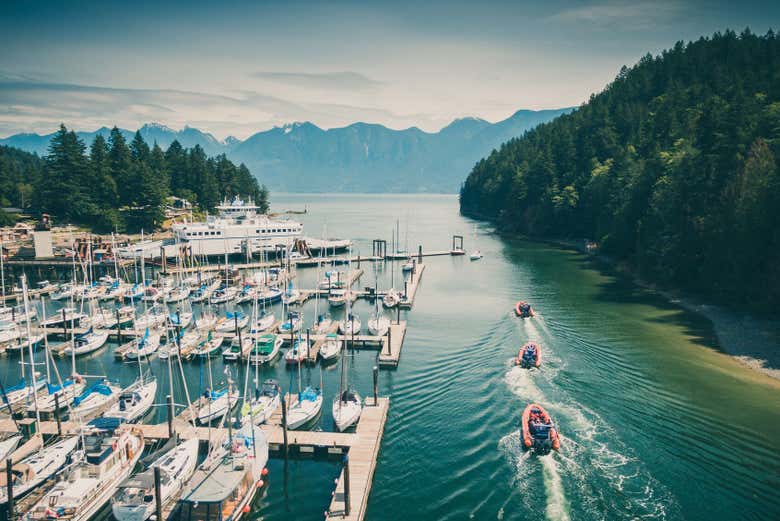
[[523, 309], [330, 348], [264, 404], [304, 408], [218, 403], [37, 468], [530, 355], [347, 409], [134, 401], [475, 255], [131, 502], [266, 349], [538, 431], [351, 325]]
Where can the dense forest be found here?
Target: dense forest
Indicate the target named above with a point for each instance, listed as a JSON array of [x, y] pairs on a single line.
[[672, 169], [117, 185]]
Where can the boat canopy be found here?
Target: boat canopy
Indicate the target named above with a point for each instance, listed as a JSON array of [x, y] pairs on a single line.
[[97, 388]]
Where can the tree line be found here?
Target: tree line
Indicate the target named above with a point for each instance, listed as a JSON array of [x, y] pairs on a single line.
[[673, 169], [115, 185]]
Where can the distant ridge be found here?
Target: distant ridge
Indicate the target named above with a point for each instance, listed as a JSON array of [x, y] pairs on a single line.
[[361, 157]]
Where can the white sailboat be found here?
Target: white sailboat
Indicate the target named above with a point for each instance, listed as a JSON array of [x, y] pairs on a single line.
[[144, 346], [350, 325], [85, 343], [131, 500], [306, 406], [134, 401], [330, 348], [218, 404], [94, 397], [347, 405], [298, 352], [37, 468]]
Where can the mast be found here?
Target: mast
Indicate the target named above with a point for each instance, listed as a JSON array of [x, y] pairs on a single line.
[[45, 338], [2, 267], [30, 348]]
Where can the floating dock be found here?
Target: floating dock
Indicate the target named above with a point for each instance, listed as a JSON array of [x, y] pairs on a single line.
[[410, 286]]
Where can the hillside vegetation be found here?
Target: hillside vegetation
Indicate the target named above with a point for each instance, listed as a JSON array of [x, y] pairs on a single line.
[[115, 185], [673, 169]]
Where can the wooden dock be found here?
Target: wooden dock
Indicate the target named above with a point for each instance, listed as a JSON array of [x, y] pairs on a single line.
[[411, 285], [390, 353]]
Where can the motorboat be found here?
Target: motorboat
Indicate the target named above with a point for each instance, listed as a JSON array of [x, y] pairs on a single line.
[[475, 255], [538, 431], [339, 297], [237, 347], [108, 459], [266, 348], [530, 355], [331, 348], [523, 309]]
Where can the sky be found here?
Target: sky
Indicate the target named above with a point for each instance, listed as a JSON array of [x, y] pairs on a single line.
[[238, 67]]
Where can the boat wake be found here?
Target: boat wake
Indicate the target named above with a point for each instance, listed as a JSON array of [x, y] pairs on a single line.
[[609, 482]]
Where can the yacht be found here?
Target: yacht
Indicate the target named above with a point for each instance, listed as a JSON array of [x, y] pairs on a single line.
[[238, 223]]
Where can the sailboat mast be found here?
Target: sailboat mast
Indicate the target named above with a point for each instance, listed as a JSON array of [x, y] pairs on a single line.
[[32, 356], [45, 338], [2, 267]]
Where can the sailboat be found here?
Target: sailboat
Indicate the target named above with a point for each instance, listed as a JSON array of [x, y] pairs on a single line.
[[307, 405], [131, 501], [85, 343], [298, 352], [134, 401], [476, 254], [209, 346], [144, 346], [263, 404], [350, 325], [378, 324], [108, 458], [232, 321], [293, 323], [37, 468], [347, 405], [93, 398], [218, 404]]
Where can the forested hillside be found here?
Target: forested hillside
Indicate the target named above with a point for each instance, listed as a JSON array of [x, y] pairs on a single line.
[[115, 185], [673, 169]]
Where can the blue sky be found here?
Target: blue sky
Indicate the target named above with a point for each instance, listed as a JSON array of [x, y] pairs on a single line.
[[235, 68]]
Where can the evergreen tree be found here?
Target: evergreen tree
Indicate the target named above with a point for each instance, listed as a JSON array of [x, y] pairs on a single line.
[[121, 167]]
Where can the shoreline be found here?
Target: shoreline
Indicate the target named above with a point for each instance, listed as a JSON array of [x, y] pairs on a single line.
[[753, 342]]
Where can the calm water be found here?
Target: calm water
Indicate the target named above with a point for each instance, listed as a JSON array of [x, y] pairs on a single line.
[[657, 423]]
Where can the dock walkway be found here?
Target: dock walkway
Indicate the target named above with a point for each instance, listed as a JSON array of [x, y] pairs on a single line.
[[411, 285]]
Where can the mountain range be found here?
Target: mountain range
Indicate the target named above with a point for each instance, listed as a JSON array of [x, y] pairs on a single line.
[[362, 157]]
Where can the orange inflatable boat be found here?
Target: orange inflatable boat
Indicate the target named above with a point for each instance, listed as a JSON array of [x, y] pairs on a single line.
[[523, 309], [538, 431], [530, 355]]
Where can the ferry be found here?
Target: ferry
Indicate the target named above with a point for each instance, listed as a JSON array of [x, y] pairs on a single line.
[[237, 224]]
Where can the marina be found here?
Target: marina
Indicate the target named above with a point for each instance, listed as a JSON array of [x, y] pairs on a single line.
[[437, 347]]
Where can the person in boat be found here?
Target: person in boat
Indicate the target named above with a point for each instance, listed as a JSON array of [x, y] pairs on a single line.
[[207, 393]]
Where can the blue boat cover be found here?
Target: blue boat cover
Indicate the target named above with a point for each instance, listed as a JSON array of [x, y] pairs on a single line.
[[54, 388], [97, 388]]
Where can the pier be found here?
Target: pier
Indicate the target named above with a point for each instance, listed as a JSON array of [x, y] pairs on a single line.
[[410, 286]]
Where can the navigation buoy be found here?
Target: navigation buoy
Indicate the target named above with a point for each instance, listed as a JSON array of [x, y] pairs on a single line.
[[245, 509], [264, 471]]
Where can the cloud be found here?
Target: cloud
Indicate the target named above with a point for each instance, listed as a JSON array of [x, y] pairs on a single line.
[[617, 14], [344, 80]]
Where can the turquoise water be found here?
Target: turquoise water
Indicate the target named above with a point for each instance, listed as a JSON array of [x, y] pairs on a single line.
[[657, 423]]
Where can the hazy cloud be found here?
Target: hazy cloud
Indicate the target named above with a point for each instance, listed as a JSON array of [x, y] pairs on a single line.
[[344, 80], [628, 15]]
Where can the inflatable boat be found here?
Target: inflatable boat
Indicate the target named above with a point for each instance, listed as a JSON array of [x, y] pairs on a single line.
[[523, 309], [538, 431], [530, 355]]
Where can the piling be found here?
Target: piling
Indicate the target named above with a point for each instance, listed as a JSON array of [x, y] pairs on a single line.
[[169, 402], [419, 254], [284, 421], [158, 494], [389, 338], [398, 315], [9, 477], [308, 342], [376, 381], [118, 329], [57, 413], [346, 485]]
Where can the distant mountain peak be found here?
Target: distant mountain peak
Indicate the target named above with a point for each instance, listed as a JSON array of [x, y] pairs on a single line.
[[157, 126]]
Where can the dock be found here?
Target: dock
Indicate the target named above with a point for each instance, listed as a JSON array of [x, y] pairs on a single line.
[[410, 286], [390, 353]]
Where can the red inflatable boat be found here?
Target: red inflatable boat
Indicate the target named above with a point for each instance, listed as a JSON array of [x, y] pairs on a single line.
[[523, 309], [530, 355], [539, 432]]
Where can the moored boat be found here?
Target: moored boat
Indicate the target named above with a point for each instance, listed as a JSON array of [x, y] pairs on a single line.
[[306, 406], [266, 348], [218, 403], [346, 409], [134, 401], [266, 400], [331, 348]]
